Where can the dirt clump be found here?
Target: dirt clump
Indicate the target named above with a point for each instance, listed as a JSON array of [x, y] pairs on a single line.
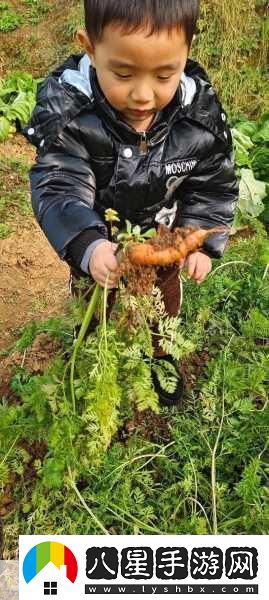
[[151, 426], [6, 500], [34, 359], [241, 233], [193, 367]]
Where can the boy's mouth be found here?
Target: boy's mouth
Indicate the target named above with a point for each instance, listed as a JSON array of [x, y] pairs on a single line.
[[141, 113]]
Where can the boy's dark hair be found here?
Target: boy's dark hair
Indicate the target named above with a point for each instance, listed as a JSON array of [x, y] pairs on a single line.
[[132, 15]]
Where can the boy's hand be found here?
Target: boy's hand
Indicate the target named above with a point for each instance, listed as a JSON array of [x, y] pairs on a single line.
[[198, 265], [102, 262]]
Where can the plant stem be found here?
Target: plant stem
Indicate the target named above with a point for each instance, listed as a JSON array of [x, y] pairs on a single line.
[[201, 507], [231, 262], [9, 450], [160, 453], [265, 272], [135, 519], [214, 452], [85, 324], [105, 309], [103, 529], [110, 509]]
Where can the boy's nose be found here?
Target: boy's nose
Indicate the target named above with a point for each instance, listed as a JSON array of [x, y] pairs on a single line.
[[142, 95]]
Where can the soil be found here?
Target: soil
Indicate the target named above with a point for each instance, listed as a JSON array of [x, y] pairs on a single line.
[[193, 367], [149, 425], [241, 233], [48, 37], [33, 280], [35, 360]]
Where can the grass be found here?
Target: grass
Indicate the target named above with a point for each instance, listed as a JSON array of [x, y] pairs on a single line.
[[31, 11], [74, 22], [36, 10], [52, 41], [201, 470], [9, 20], [14, 193], [232, 46], [5, 230]]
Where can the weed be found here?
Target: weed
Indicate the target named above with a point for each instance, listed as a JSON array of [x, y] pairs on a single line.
[[37, 10], [73, 22], [231, 45], [8, 19], [5, 230], [38, 305], [14, 201]]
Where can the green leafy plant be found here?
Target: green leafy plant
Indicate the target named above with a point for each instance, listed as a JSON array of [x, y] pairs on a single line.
[[251, 143], [134, 233], [17, 101]]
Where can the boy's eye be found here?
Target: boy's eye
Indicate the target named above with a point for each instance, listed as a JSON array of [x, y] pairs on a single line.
[[162, 78], [122, 76]]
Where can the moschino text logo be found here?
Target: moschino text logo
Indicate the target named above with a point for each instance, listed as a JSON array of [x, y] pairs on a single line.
[[184, 166]]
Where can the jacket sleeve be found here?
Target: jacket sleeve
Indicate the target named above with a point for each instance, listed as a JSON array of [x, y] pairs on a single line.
[[63, 194], [208, 198]]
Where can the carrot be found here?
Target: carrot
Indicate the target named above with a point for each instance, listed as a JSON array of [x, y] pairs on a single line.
[[146, 254]]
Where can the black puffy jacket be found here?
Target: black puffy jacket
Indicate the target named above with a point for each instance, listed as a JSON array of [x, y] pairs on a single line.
[[179, 172]]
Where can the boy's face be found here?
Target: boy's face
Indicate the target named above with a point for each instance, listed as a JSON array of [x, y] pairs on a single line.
[[138, 75]]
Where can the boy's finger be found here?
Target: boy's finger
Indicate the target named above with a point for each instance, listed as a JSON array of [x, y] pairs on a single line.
[[191, 264], [111, 265], [201, 274], [105, 279], [200, 279], [110, 286], [111, 276]]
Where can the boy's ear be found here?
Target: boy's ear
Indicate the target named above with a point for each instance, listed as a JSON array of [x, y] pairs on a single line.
[[85, 41]]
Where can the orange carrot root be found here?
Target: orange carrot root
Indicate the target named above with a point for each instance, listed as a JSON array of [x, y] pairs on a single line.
[[145, 254], [148, 254]]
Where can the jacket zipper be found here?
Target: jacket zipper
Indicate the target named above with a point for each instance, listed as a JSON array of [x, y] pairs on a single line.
[[143, 146]]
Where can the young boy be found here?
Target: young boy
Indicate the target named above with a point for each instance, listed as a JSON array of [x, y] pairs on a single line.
[[134, 125]]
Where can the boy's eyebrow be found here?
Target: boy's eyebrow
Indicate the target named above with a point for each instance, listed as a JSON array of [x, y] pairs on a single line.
[[119, 64]]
